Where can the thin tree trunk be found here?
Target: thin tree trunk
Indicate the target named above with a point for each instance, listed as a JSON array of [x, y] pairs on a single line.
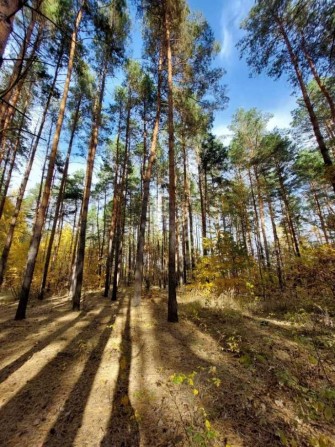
[[119, 205], [318, 80], [24, 182], [309, 106], [80, 257], [146, 195], [41, 212], [319, 213], [288, 212], [119, 246], [59, 202], [12, 161], [186, 201], [164, 244], [9, 176], [172, 295], [262, 219], [111, 244], [12, 93], [276, 244]]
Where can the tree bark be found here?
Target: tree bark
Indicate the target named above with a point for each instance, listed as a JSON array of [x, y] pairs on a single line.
[[80, 257], [11, 94], [146, 195], [118, 206], [41, 212], [186, 202], [203, 209], [309, 106], [59, 202], [318, 80], [288, 211], [8, 9], [319, 213], [111, 244], [276, 244], [172, 295]]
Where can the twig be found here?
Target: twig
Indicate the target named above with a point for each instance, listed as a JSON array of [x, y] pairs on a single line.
[[17, 110], [21, 130]]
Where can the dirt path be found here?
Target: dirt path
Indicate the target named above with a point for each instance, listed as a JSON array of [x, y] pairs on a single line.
[[113, 375]]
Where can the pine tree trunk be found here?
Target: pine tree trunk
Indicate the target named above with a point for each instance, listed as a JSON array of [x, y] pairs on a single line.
[[12, 93], [118, 251], [59, 202], [4, 190], [309, 106], [186, 201], [259, 246], [262, 219], [8, 9], [288, 211], [80, 256], [146, 195], [164, 245], [203, 209], [41, 212], [12, 161], [118, 208], [111, 242], [276, 244], [318, 80], [172, 295], [319, 213]]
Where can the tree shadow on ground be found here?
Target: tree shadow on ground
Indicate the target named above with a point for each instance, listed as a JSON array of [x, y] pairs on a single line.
[[123, 429], [273, 371], [244, 403], [69, 421], [28, 410], [41, 344]]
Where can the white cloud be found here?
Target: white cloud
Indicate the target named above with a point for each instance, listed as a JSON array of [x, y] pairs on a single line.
[[282, 117], [233, 12], [281, 120], [227, 43], [222, 132]]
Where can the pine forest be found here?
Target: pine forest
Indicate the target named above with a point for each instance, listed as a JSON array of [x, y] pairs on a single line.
[[167, 223]]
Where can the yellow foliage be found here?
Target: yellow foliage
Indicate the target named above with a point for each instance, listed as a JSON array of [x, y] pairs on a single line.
[[20, 244]]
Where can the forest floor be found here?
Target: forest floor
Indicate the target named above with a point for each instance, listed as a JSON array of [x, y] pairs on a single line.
[[113, 375]]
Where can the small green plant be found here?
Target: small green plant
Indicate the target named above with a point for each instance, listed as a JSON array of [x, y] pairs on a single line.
[[202, 433], [233, 344]]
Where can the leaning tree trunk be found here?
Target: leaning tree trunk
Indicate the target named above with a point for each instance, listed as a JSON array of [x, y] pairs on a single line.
[[319, 212], [13, 152], [59, 202], [8, 9], [146, 195], [11, 95], [41, 212], [319, 81], [309, 106], [172, 294]]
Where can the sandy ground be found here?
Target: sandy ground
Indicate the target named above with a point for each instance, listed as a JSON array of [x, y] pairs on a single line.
[[113, 375]]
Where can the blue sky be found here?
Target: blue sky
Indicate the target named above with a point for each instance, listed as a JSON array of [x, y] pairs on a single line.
[[224, 16], [262, 92]]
